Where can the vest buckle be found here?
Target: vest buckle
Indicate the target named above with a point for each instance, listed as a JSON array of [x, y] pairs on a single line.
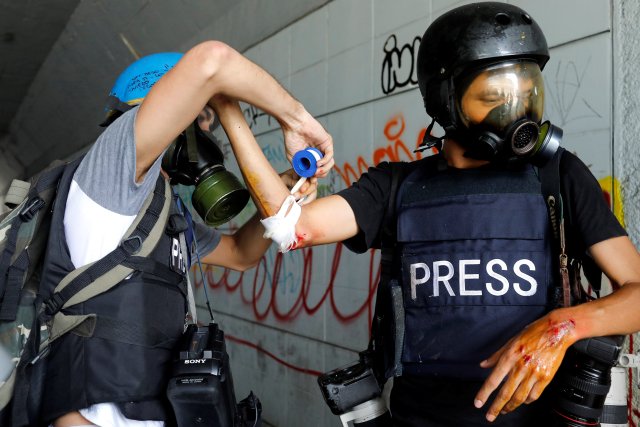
[[132, 245]]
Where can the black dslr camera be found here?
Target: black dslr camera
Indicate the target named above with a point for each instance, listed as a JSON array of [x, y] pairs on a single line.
[[201, 388], [583, 381], [353, 393]]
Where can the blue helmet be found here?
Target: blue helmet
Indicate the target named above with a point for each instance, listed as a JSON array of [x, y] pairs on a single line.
[[136, 80]]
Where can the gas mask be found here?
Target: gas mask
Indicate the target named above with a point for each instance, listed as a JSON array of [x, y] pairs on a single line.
[[500, 108], [195, 159]]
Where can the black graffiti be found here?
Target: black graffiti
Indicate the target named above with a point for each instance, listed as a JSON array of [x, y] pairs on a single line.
[[253, 114], [566, 94], [399, 66]]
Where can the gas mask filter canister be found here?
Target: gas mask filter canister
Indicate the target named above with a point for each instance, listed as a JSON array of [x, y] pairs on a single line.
[[195, 159]]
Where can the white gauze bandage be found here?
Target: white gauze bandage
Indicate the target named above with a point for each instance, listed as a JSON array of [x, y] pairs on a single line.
[[281, 227]]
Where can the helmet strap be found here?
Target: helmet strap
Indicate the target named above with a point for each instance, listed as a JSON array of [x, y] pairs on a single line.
[[429, 141]]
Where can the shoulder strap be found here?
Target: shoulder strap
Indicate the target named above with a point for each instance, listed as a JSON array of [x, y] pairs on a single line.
[[552, 192], [550, 182], [102, 275]]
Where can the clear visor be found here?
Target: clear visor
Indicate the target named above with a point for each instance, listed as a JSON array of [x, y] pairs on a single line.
[[501, 95]]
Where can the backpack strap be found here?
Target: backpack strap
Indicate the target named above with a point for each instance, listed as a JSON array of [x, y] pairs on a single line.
[[98, 277], [15, 259]]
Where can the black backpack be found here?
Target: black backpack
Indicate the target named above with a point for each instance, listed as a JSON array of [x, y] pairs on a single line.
[[25, 336]]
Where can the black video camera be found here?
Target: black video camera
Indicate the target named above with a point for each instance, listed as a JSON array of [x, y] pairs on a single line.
[[584, 379], [353, 393], [201, 388]]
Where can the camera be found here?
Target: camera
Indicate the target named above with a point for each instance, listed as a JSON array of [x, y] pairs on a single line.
[[201, 387], [583, 381], [353, 393]]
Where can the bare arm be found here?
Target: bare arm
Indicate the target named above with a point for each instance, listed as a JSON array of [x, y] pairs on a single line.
[[326, 220], [530, 360], [244, 248], [212, 68]]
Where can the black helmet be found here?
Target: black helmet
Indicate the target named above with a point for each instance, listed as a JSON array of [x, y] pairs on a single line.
[[468, 38]]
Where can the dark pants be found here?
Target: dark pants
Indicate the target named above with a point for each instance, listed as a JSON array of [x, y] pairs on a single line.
[[429, 402]]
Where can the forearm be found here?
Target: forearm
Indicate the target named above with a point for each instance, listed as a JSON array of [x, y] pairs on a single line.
[[249, 243], [615, 314], [266, 188]]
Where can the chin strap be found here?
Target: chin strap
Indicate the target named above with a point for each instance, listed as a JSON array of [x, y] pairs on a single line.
[[430, 141]]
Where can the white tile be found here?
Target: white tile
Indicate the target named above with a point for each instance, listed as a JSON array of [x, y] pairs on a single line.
[[309, 86], [577, 85], [350, 77], [309, 40], [353, 142], [350, 24], [393, 15], [593, 148], [567, 20]]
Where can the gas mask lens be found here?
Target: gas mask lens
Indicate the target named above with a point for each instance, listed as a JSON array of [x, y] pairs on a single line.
[[503, 104], [195, 159]]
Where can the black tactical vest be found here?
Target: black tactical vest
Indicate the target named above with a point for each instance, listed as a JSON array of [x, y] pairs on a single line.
[[472, 267], [127, 358]]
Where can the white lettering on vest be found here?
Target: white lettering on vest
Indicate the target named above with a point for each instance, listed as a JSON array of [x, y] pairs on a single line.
[[414, 280], [443, 272], [531, 280], [438, 277], [462, 266], [177, 259], [498, 277]]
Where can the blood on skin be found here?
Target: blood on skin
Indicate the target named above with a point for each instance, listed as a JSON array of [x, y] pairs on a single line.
[[560, 330], [299, 238]]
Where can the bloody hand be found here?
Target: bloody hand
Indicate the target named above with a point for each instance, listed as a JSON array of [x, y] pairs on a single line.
[[529, 361]]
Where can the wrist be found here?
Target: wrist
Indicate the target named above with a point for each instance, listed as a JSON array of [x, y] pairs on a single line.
[[294, 118], [565, 321]]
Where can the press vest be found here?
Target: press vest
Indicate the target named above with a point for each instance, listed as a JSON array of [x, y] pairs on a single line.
[[126, 359], [473, 266]]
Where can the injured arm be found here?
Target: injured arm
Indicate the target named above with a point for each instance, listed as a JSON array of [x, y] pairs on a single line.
[[326, 220]]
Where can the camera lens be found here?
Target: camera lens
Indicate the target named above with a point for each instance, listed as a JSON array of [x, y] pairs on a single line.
[[580, 390]]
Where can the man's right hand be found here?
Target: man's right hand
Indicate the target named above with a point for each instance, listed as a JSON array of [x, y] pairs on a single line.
[[305, 131]]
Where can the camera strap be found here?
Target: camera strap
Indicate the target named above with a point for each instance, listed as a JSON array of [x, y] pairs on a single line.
[[569, 265], [550, 180], [192, 315]]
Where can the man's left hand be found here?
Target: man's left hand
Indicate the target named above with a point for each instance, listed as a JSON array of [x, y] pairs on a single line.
[[528, 361]]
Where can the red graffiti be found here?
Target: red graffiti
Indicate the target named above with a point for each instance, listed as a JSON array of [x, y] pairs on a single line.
[[302, 302], [395, 151], [279, 360]]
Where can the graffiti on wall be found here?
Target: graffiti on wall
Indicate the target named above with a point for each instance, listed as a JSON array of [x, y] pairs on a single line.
[[399, 65], [565, 94]]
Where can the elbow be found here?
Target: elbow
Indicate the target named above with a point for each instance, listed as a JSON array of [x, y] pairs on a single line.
[[210, 56], [245, 265]]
